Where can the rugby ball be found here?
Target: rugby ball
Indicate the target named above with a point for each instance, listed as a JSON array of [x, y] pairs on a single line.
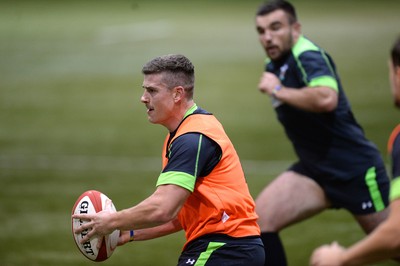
[[91, 202]]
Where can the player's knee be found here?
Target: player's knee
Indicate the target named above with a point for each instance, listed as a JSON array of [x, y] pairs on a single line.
[[269, 222]]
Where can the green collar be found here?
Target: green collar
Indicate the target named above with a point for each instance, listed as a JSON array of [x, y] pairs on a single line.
[[191, 110]]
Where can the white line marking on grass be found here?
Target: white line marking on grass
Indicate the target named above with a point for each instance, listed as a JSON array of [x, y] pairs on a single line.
[[136, 32], [113, 163], [265, 167]]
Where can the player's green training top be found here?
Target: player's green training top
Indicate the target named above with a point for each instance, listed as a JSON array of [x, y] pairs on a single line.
[[395, 189], [332, 144]]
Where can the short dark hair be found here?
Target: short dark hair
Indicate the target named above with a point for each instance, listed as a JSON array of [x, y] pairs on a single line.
[[395, 53], [178, 69], [274, 5]]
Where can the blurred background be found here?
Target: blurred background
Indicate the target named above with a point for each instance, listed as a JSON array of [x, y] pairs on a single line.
[[71, 118]]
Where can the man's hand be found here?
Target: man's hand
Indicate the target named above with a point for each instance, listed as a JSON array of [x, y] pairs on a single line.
[[268, 83], [97, 224], [328, 255]]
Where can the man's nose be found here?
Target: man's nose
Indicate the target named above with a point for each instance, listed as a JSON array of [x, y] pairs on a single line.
[[266, 36], [144, 98]]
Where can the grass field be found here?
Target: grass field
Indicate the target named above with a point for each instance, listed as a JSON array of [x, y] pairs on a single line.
[[71, 117]]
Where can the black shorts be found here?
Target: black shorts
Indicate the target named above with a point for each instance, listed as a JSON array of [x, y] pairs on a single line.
[[363, 194], [218, 250]]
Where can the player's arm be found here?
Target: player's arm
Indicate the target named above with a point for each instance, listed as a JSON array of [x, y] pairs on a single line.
[[383, 243], [158, 231], [313, 99], [150, 233], [158, 209], [161, 207]]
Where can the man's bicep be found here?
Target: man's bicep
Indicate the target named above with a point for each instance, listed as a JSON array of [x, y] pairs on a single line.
[[170, 198], [318, 70]]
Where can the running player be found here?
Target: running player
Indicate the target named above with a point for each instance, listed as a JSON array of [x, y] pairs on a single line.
[[384, 242], [337, 167]]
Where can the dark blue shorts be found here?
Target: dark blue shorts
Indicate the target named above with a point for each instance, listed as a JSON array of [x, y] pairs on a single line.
[[222, 250], [363, 194]]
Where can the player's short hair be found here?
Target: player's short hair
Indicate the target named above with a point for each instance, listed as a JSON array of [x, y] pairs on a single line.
[[177, 70], [395, 53], [271, 6]]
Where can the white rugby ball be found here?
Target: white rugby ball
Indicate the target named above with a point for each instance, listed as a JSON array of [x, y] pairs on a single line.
[[91, 202]]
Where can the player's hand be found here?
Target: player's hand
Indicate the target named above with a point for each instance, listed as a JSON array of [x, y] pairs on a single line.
[[328, 255], [96, 225], [268, 82]]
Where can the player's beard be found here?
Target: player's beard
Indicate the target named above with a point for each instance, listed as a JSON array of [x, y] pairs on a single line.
[[286, 49]]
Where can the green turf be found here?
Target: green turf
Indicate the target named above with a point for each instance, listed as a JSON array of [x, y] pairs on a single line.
[[71, 117]]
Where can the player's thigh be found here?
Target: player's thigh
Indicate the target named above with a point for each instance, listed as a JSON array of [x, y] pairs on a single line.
[[369, 222], [289, 198]]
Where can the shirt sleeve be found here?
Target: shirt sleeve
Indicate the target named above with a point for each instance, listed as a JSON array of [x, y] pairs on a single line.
[[318, 70], [395, 189], [190, 156]]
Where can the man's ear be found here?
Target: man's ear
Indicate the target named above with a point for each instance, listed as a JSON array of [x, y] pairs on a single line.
[[178, 93], [297, 30], [396, 78], [397, 71], [396, 86]]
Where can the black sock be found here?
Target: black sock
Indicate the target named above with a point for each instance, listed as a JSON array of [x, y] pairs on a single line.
[[274, 251]]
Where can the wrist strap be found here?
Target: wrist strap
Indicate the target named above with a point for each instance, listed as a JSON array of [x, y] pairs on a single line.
[[132, 236], [277, 88]]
